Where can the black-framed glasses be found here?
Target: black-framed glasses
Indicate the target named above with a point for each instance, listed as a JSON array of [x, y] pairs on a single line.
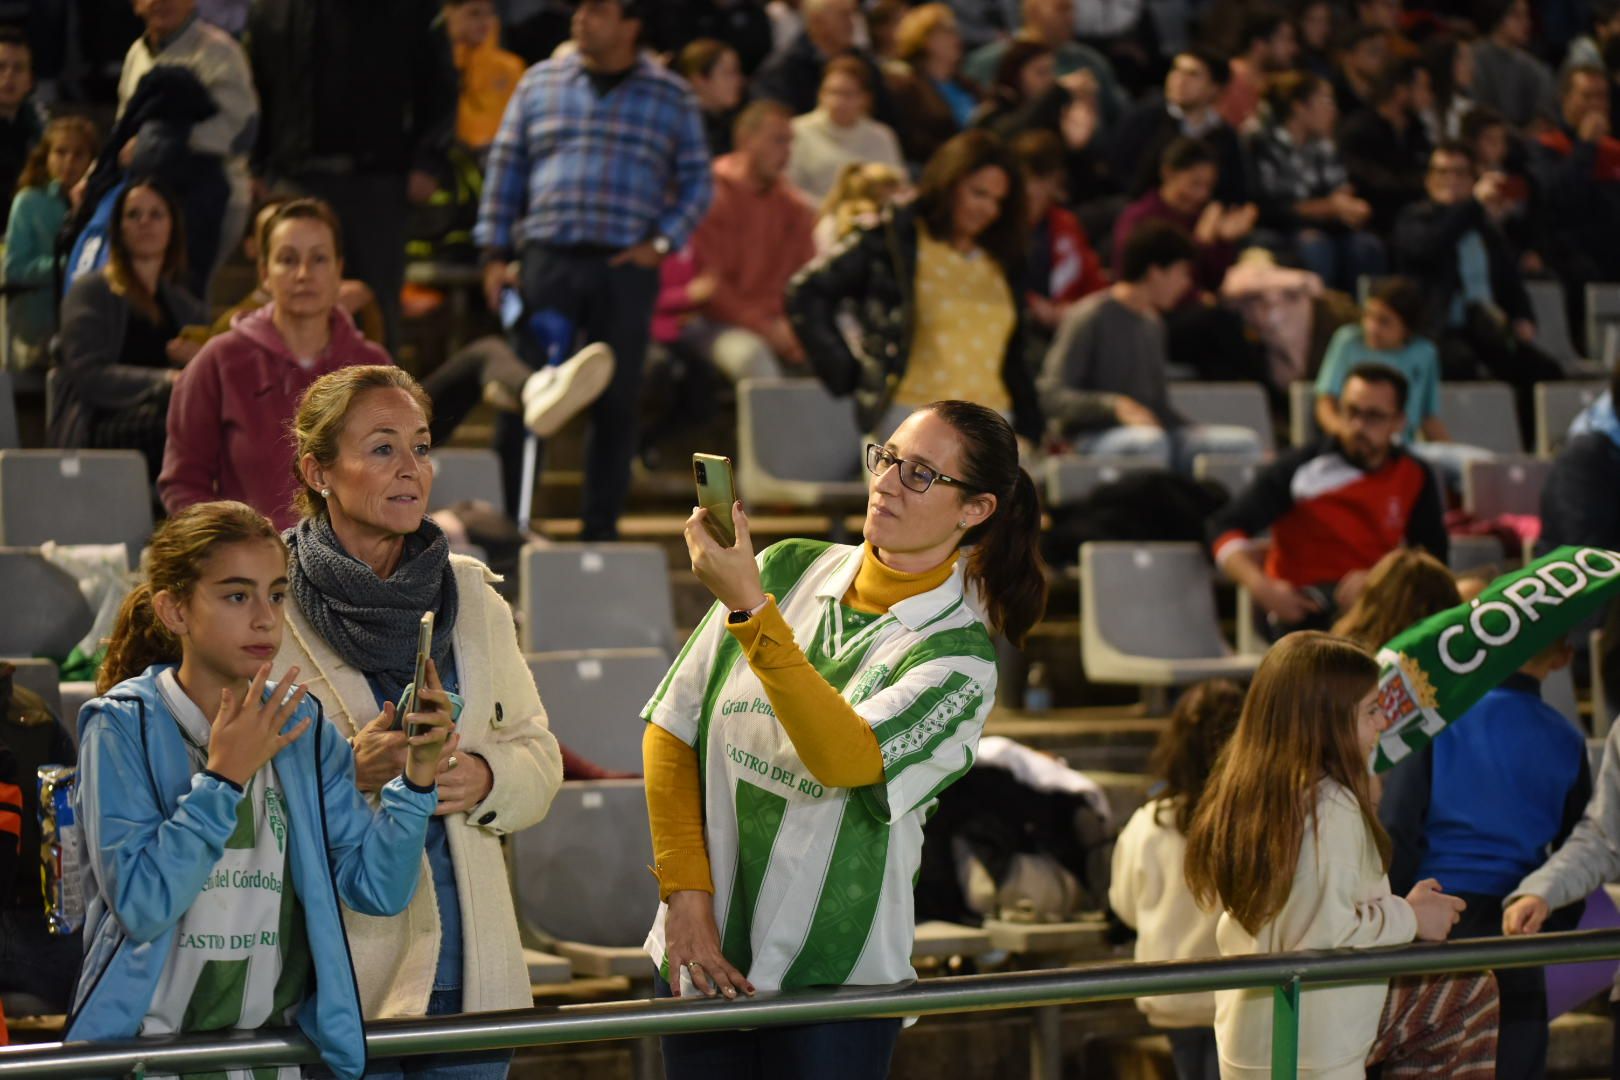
[[914, 476]]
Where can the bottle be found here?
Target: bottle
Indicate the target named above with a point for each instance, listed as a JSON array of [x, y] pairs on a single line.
[[1037, 691]]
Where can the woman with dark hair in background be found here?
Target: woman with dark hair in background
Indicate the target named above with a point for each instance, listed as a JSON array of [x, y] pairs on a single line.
[[121, 344], [878, 667], [716, 75], [939, 293]]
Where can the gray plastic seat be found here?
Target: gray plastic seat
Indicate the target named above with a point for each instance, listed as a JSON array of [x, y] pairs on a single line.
[[797, 445], [1474, 552], [1148, 616], [1482, 414], [9, 439], [1552, 323], [48, 613], [1557, 405], [581, 875], [595, 596], [1603, 322], [1558, 690], [594, 700], [1232, 472], [1071, 477], [1235, 404], [466, 473], [75, 497], [1505, 486], [1302, 426], [43, 678]]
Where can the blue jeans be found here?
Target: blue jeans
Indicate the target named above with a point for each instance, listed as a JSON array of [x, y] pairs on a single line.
[[1340, 258], [489, 1065], [1193, 1051], [845, 1050]]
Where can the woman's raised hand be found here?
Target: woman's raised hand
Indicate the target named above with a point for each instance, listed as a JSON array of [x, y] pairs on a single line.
[[730, 573], [247, 730], [692, 943]]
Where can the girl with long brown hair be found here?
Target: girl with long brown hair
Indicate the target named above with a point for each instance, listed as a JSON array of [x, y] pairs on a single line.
[[1287, 842], [222, 823], [1403, 588]]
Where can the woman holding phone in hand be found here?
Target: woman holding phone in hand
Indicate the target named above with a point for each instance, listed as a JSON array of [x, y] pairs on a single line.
[[366, 564], [798, 744]]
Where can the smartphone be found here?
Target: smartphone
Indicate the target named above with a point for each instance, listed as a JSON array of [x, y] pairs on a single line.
[[424, 649], [716, 492]]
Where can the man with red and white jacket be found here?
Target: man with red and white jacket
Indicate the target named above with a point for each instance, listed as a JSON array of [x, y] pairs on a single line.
[[1334, 509]]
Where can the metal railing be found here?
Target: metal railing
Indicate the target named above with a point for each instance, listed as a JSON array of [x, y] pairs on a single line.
[[1284, 973]]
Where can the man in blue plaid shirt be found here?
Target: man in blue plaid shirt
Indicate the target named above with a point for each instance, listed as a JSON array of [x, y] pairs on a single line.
[[599, 171]]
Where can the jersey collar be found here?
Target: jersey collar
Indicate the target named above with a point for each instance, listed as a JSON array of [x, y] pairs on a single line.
[[914, 612]]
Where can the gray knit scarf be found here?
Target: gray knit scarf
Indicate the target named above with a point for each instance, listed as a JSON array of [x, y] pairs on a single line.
[[369, 622]]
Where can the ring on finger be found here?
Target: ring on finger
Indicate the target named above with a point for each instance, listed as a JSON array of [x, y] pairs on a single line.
[[452, 763]]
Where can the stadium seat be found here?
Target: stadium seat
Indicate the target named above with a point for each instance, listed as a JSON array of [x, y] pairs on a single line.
[[594, 700], [49, 615], [1504, 486], [1236, 404], [1481, 414], [75, 497], [1148, 616], [580, 877], [1234, 473], [1071, 477], [1557, 405], [1552, 324], [1302, 428], [1603, 323], [1558, 690], [1474, 552], [466, 473], [595, 596], [797, 445]]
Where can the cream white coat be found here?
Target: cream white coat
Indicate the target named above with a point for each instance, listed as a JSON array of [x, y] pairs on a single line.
[[504, 723], [1340, 898]]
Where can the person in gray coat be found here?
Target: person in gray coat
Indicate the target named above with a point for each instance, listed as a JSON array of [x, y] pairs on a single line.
[[121, 338]]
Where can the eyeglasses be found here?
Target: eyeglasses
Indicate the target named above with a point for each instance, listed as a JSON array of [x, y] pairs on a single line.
[[1369, 416], [913, 476]]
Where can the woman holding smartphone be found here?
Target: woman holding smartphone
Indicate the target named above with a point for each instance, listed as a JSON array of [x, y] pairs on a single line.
[[798, 744], [365, 565]]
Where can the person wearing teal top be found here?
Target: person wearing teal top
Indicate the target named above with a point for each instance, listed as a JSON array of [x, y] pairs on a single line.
[[1384, 336], [56, 164]]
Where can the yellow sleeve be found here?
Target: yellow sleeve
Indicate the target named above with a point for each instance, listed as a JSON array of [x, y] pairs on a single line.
[[831, 738], [675, 813]]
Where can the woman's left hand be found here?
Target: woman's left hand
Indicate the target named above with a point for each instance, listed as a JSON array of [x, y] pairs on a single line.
[[464, 782], [730, 573]]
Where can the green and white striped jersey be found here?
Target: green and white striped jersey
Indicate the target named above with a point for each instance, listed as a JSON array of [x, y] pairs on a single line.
[[813, 885]]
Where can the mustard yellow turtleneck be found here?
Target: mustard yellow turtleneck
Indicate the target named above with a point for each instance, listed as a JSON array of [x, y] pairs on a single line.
[[835, 743]]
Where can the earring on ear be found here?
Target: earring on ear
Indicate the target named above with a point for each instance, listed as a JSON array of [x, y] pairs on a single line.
[[326, 493], [962, 524]]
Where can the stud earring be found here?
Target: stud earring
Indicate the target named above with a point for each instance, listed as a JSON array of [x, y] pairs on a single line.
[[962, 524], [326, 493]]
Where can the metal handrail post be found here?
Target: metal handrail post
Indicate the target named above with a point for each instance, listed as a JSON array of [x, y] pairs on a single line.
[[1285, 1031]]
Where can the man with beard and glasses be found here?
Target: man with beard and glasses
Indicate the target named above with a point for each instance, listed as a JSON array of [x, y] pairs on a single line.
[[1334, 509]]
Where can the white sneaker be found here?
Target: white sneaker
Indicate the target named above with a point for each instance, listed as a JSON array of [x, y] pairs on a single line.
[[555, 394]]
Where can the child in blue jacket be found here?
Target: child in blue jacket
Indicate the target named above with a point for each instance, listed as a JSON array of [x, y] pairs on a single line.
[[221, 821]]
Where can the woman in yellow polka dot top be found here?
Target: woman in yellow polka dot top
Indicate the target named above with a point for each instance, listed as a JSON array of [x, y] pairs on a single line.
[[937, 291]]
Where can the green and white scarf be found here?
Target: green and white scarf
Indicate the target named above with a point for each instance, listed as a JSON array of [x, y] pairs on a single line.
[[1435, 671], [240, 958]]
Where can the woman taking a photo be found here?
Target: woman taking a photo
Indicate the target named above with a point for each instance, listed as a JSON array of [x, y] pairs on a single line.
[[232, 404], [798, 744], [939, 292], [366, 564], [121, 349]]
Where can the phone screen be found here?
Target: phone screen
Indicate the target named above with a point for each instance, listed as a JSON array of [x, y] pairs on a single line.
[[716, 492]]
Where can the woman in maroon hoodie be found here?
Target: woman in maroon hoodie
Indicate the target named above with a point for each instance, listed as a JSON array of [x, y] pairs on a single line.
[[230, 410]]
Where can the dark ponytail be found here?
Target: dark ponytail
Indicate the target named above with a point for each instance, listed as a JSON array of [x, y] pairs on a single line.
[[1006, 558]]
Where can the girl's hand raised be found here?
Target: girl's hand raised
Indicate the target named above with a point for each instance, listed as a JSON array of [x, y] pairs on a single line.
[[247, 731], [1436, 912]]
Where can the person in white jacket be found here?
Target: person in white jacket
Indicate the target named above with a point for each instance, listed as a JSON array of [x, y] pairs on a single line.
[[1148, 887], [365, 564], [1287, 842]]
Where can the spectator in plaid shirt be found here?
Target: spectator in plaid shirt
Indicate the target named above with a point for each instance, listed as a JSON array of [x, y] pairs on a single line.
[[599, 171], [1306, 199]]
